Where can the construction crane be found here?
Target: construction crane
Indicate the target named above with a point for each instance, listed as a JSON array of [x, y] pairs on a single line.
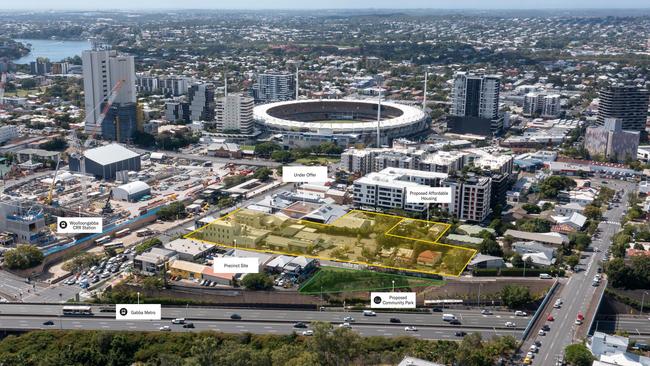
[[48, 200], [108, 209], [78, 150]]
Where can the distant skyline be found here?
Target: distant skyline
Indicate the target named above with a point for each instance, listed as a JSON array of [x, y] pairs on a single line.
[[327, 4]]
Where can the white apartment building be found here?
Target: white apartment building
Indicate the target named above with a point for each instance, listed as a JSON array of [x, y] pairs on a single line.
[[8, 132], [547, 106], [274, 87], [357, 161], [475, 95], [387, 188], [102, 72], [234, 112], [470, 198]]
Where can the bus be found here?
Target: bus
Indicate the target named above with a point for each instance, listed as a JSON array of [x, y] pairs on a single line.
[[103, 240], [123, 232], [77, 310], [114, 245], [143, 232]]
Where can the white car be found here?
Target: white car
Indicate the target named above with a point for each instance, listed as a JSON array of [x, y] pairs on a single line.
[[308, 332], [541, 332], [345, 325], [411, 329], [165, 328], [530, 355], [510, 325], [520, 313], [348, 319]]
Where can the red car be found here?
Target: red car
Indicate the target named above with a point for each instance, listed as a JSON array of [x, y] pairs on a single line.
[[550, 318]]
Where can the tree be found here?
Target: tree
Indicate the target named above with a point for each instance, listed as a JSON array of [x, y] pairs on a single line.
[[534, 225], [173, 211], [265, 149], [147, 244], [531, 208], [23, 256], [56, 144], [515, 296], [490, 247], [516, 260], [578, 355], [282, 156], [262, 174], [593, 212], [572, 260], [618, 273], [257, 281], [551, 186]]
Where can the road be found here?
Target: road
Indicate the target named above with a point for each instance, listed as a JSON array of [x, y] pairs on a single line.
[[578, 293], [635, 325], [214, 160], [262, 321]]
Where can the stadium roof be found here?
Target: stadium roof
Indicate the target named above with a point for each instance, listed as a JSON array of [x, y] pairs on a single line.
[[109, 154]]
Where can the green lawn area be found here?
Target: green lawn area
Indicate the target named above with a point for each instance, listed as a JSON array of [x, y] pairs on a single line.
[[336, 280], [23, 92], [247, 147], [318, 160]]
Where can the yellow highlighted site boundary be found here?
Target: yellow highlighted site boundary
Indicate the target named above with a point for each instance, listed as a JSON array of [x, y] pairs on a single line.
[[466, 253]]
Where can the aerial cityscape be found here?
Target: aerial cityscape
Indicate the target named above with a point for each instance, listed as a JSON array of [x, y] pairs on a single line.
[[353, 183]]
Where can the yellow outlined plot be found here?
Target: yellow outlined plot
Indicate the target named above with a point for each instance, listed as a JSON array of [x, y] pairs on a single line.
[[360, 237]]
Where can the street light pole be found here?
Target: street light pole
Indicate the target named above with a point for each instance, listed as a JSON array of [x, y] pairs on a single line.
[[138, 298], [643, 302], [393, 285]]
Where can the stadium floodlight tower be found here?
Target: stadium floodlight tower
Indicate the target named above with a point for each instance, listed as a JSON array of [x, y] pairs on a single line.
[[378, 81], [424, 99], [296, 63]]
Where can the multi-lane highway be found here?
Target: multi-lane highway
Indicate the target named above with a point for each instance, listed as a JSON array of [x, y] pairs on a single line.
[[429, 325], [578, 294]]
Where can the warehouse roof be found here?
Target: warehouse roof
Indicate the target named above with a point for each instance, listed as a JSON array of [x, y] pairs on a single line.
[[134, 187], [109, 154]]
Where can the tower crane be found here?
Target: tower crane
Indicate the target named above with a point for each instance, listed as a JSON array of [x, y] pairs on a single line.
[[48, 200], [78, 150]]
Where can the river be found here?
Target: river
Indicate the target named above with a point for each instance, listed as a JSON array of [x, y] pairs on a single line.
[[54, 50]]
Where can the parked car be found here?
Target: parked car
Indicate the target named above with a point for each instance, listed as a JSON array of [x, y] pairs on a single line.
[[308, 332], [546, 328], [300, 325], [550, 318]]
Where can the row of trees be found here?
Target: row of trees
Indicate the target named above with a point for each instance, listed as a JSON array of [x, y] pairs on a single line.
[[328, 346], [271, 150], [23, 257]]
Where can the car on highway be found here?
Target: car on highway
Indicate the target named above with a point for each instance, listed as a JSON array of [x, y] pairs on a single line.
[[528, 361], [486, 312], [541, 332], [308, 332], [345, 325], [300, 325], [460, 333], [448, 317], [550, 318], [369, 313], [411, 328], [165, 328], [395, 320], [48, 322], [454, 322], [520, 313], [436, 310], [546, 328], [510, 325], [348, 319], [530, 355], [235, 317], [188, 325], [178, 321]]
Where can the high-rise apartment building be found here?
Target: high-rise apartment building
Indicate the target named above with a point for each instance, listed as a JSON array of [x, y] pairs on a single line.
[[628, 104], [541, 104], [234, 114], [274, 87], [470, 197], [475, 95], [105, 72], [202, 103], [475, 104]]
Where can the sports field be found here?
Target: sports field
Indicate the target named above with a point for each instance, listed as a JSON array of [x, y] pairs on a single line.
[[360, 237]]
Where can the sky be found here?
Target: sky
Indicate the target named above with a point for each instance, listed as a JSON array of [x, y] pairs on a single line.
[[320, 4]]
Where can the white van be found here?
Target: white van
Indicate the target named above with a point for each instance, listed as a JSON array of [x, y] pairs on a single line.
[[545, 276], [369, 313], [448, 317]]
